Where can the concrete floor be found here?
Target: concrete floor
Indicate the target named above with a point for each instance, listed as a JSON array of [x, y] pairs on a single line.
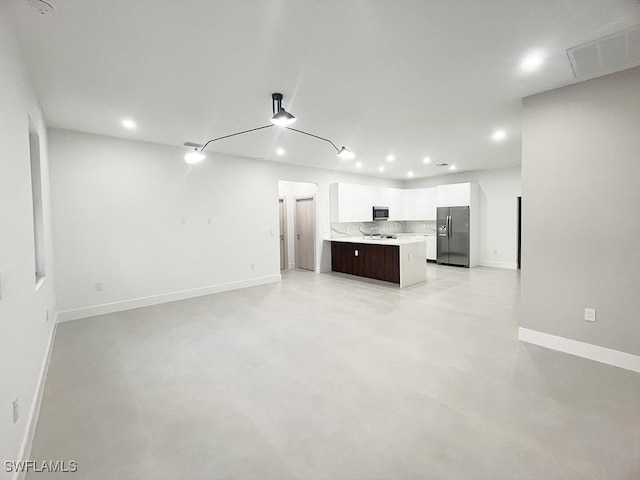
[[334, 377]]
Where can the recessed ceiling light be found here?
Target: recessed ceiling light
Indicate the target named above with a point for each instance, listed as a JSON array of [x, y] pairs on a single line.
[[452, 167], [129, 124], [358, 164], [532, 61], [280, 151], [409, 173], [426, 160], [391, 158], [498, 135], [381, 169]]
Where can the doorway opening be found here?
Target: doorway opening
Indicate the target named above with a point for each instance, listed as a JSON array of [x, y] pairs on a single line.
[[298, 225]]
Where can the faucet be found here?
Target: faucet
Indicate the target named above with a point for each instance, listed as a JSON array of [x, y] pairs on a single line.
[[371, 231]]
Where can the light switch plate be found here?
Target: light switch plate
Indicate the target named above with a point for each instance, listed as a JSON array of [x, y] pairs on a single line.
[[590, 314]]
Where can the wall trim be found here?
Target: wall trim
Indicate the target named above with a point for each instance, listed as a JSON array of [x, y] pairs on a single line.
[[490, 263], [581, 349], [78, 313], [34, 411]]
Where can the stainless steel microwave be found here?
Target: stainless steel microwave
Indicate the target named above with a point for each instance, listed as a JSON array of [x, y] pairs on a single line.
[[380, 213]]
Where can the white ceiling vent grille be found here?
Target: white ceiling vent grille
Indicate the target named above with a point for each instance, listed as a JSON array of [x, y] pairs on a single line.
[[606, 55], [43, 7]]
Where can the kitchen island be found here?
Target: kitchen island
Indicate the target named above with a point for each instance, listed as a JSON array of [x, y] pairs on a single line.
[[398, 260]]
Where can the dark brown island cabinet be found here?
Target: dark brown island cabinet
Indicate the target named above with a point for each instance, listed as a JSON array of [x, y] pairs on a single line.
[[397, 261]]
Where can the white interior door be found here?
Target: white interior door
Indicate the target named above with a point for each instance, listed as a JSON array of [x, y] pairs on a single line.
[[283, 233], [305, 238]]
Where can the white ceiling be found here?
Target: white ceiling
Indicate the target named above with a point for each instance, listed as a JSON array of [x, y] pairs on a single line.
[[412, 78]]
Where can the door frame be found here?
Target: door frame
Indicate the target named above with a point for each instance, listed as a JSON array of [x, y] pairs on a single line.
[[284, 232], [519, 200], [315, 227]]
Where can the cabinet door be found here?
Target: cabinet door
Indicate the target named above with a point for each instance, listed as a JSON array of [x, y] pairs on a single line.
[[393, 199], [461, 194], [346, 202], [353, 203], [409, 204], [431, 202], [419, 204], [363, 203], [346, 258], [445, 195]]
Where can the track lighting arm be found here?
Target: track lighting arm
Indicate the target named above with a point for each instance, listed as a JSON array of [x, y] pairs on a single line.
[[234, 134], [281, 118], [314, 136]]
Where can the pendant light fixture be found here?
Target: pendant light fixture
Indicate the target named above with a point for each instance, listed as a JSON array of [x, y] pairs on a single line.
[[194, 156], [280, 118]]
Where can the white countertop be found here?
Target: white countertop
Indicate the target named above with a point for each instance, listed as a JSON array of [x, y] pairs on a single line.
[[421, 234], [404, 240]]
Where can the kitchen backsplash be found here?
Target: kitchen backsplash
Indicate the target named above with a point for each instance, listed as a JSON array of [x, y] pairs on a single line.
[[384, 228]]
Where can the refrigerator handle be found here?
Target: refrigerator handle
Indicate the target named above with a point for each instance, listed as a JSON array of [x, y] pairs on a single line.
[[448, 226]]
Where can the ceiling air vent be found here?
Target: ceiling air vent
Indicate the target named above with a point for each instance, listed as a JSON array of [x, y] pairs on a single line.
[[441, 164], [41, 6], [606, 55]]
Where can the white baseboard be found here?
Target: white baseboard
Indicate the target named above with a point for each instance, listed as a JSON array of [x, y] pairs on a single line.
[[580, 349], [34, 410], [490, 263], [105, 308]]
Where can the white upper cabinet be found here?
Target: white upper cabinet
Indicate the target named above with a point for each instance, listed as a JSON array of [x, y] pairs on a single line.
[[347, 203], [408, 204], [454, 195], [425, 203], [392, 198], [419, 204], [353, 203], [462, 194]]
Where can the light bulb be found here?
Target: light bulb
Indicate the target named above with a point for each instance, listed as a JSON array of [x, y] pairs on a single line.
[[346, 154], [194, 156]]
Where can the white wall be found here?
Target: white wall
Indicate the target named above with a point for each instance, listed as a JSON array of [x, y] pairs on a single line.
[[499, 190], [24, 331], [581, 214], [118, 207], [291, 190]]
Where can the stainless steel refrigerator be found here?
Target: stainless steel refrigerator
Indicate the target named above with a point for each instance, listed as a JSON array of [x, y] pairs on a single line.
[[453, 236]]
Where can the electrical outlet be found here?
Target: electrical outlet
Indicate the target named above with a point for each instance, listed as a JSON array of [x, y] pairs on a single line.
[[16, 410], [356, 253], [252, 266], [209, 221], [590, 314], [99, 287], [183, 220]]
